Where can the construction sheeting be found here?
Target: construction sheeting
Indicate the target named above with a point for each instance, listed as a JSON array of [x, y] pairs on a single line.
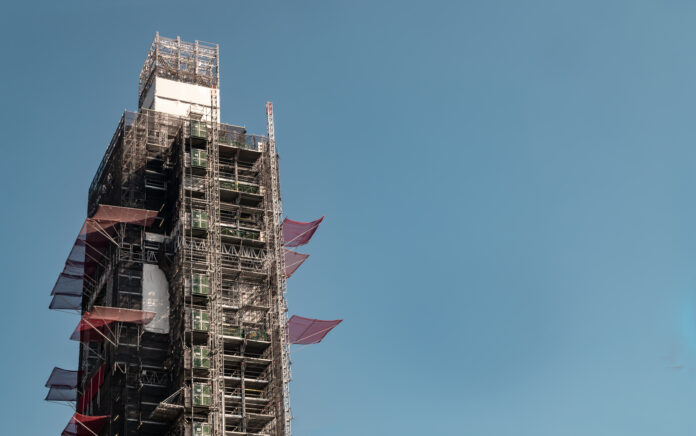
[[58, 394], [69, 284], [304, 331], [293, 260], [119, 314], [88, 251], [95, 325], [62, 378], [83, 425], [93, 330], [156, 298], [62, 384], [296, 233], [83, 258], [66, 302], [91, 389], [128, 215]]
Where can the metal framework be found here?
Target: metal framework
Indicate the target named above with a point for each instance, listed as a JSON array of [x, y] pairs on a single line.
[[190, 62], [276, 211], [223, 369]]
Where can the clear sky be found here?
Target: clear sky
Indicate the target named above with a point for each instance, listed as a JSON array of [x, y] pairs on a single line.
[[508, 186]]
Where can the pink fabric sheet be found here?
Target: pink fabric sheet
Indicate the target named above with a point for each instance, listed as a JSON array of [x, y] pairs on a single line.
[[95, 325], [306, 331], [293, 261], [296, 233]]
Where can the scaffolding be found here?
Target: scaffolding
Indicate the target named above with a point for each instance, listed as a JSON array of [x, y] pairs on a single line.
[[196, 63], [214, 373], [220, 369], [213, 242]]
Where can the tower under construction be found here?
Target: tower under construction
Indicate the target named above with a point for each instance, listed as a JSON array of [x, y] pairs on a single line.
[[179, 271]]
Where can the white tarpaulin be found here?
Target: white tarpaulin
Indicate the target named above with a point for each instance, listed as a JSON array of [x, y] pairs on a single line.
[[156, 298]]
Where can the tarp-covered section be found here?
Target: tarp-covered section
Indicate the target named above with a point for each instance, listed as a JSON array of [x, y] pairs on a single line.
[[95, 325], [304, 331], [83, 425], [91, 389], [293, 260], [296, 233], [88, 251]]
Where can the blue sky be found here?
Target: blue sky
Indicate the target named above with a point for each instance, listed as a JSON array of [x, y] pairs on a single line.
[[508, 186]]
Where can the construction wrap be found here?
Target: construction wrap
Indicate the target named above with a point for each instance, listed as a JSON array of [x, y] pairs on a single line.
[[62, 378], [95, 326], [83, 425], [88, 252], [66, 302], [58, 394], [116, 214], [91, 389], [296, 233], [306, 331], [156, 298], [293, 261], [62, 384]]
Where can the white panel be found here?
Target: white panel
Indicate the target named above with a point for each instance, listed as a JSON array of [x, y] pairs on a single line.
[[156, 298], [178, 98]]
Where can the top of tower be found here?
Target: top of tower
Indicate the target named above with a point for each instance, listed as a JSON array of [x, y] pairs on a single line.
[[195, 62]]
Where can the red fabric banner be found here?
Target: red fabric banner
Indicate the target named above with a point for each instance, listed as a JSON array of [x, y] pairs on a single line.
[[83, 425], [91, 389]]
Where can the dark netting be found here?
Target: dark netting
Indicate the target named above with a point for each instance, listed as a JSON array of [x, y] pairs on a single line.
[[309, 331], [66, 302], [293, 260], [59, 394], [83, 425], [82, 260], [62, 378], [296, 233], [69, 284]]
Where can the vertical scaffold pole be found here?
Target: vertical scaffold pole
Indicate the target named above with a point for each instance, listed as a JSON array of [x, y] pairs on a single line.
[[281, 291]]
